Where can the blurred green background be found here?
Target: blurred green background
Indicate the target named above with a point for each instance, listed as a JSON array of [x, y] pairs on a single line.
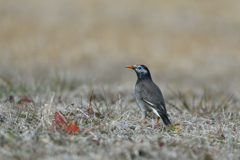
[[183, 43]]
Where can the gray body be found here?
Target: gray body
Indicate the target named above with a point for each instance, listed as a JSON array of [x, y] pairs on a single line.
[[148, 96]]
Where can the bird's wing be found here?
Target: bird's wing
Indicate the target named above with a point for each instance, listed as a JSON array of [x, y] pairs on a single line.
[[152, 96]]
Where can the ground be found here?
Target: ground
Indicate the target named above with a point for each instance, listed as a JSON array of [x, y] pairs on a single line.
[[204, 127]]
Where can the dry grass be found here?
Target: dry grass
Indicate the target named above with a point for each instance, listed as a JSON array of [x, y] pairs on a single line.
[[205, 127], [51, 50]]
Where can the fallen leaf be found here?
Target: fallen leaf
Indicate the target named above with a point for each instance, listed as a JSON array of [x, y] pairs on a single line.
[[90, 111], [11, 98], [26, 99], [60, 121], [161, 144], [72, 128]]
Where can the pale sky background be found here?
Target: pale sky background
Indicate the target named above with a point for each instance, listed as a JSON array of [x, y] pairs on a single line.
[[184, 43]]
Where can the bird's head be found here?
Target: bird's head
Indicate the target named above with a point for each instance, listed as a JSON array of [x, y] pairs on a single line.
[[141, 70]]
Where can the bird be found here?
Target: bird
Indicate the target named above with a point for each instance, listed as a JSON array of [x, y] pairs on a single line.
[[148, 95]]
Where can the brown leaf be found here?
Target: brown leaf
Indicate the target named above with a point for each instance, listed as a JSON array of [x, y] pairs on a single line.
[[25, 99], [11, 99]]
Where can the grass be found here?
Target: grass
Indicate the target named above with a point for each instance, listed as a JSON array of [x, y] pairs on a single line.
[[205, 127]]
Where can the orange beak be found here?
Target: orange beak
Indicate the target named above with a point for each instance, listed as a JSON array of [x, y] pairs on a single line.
[[130, 67]]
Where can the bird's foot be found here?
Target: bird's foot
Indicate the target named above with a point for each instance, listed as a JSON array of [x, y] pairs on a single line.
[[143, 119], [142, 123], [157, 126], [158, 120]]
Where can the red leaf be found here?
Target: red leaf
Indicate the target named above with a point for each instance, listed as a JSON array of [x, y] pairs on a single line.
[[90, 111], [160, 144], [234, 129], [26, 99], [72, 128], [208, 122], [63, 115], [60, 121]]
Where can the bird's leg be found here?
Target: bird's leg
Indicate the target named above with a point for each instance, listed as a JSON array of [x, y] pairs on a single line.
[[144, 115], [158, 120], [142, 119], [156, 123]]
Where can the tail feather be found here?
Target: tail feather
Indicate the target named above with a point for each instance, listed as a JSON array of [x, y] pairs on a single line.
[[165, 120]]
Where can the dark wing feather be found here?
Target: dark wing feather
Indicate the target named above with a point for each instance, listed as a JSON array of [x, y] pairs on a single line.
[[151, 95]]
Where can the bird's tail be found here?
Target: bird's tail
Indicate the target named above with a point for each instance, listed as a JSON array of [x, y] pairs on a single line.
[[165, 119]]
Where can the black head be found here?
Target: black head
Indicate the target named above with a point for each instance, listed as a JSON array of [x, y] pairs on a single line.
[[141, 70]]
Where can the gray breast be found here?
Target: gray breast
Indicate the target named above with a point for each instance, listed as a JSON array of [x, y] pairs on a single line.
[[139, 100]]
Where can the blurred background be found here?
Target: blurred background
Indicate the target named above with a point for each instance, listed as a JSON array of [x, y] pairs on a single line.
[[185, 44]]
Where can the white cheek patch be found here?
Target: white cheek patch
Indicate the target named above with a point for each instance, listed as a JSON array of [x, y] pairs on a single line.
[[144, 71]]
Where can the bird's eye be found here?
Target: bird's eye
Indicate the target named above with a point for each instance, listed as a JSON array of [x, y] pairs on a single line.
[[139, 68]]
